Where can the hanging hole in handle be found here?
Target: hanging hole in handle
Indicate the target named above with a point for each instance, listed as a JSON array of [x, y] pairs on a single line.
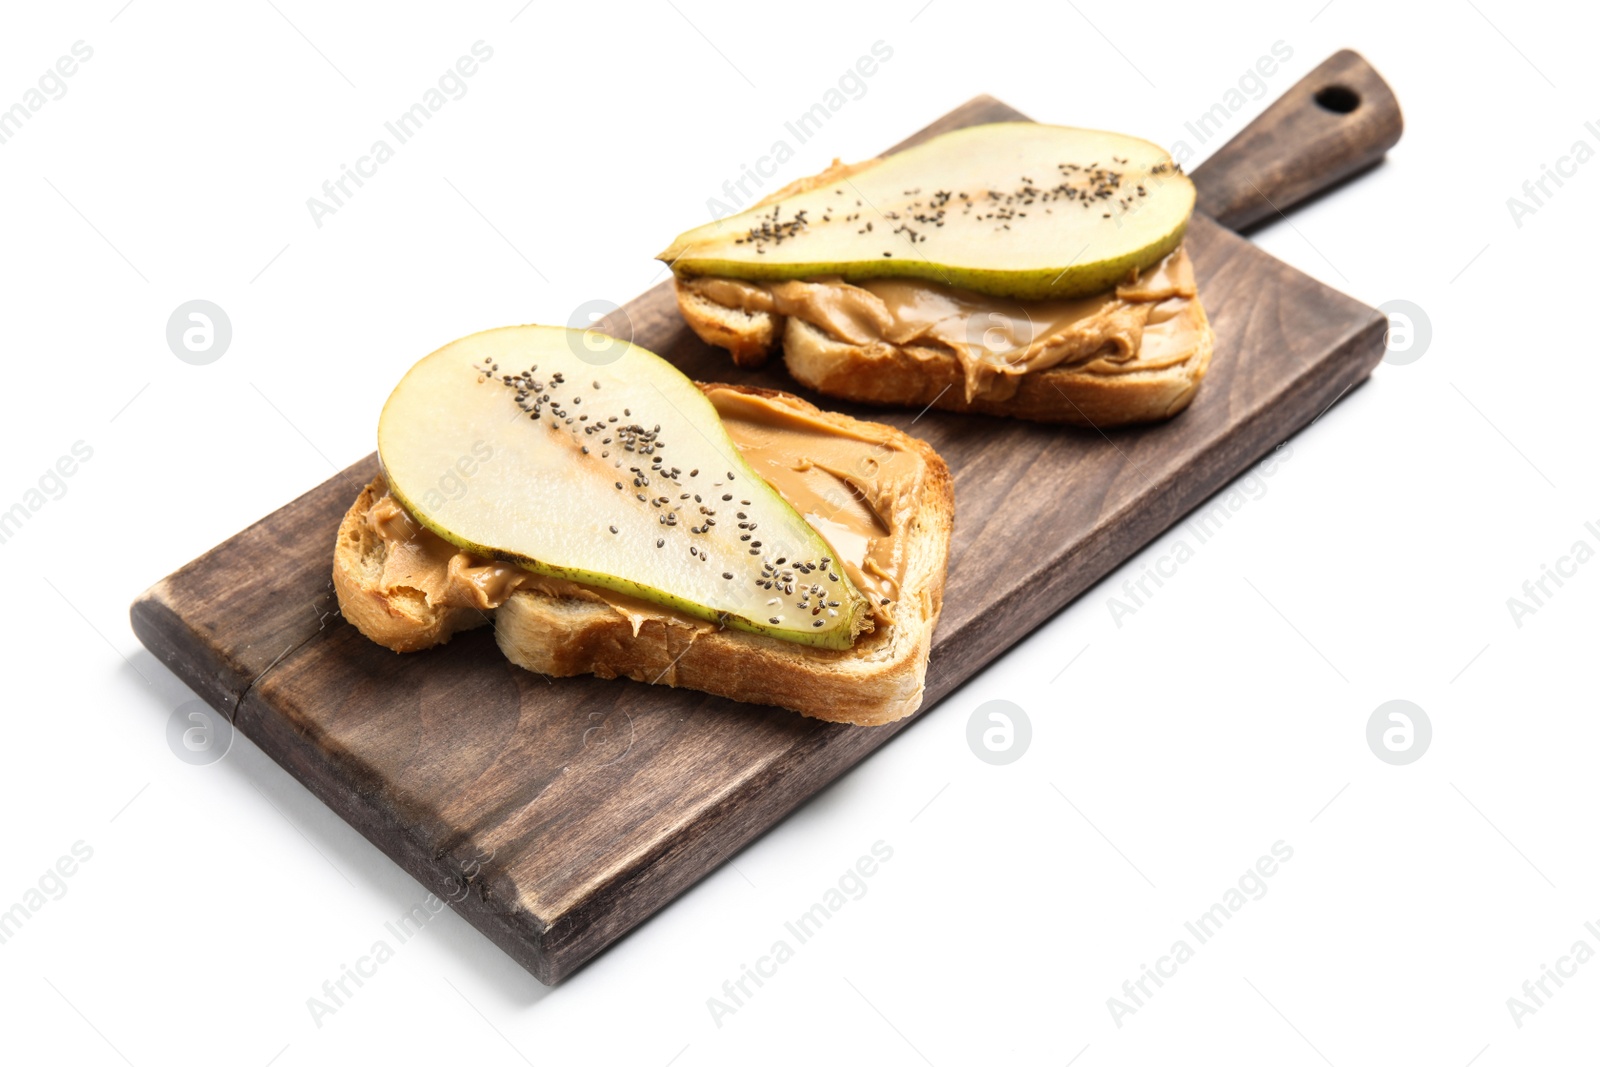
[[1339, 99]]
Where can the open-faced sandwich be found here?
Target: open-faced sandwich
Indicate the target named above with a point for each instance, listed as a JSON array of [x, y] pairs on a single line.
[[612, 517], [1013, 269]]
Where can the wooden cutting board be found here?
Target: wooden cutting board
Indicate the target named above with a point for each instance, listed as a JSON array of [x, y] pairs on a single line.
[[557, 814]]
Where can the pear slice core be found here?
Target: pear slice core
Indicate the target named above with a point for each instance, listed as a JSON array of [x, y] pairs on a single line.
[[1011, 209], [520, 445]]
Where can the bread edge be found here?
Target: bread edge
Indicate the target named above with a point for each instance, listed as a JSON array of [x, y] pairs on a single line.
[[920, 376]]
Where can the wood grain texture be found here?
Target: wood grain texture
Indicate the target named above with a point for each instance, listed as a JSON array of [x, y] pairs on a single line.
[[557, 814], [1336, 121]]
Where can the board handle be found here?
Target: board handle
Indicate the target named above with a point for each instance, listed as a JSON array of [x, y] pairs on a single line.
[[1338, 120]]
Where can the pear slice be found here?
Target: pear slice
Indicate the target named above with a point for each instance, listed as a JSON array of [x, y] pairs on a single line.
[[523, 445], [1012, 209]]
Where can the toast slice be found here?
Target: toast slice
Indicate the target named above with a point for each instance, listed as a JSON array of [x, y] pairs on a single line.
[[1098, 392], [562, 628]]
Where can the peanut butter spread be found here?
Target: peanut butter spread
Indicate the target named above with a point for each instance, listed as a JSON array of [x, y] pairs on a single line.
[[858, 489], [1150, 321]]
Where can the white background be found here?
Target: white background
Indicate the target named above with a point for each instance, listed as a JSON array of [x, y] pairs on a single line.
[[1226, 714]]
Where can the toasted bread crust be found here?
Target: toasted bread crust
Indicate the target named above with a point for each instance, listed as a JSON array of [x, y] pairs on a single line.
[[917, 376], [566, 629], [401, 619]]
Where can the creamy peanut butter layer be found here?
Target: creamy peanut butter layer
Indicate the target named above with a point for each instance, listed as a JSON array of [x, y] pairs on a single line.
[[857, 488], [1152, 320]]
